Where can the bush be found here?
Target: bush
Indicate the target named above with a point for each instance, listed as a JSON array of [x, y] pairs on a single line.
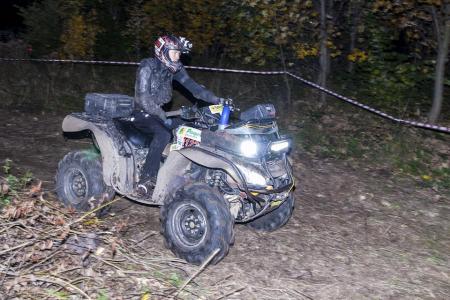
[[11, 185]]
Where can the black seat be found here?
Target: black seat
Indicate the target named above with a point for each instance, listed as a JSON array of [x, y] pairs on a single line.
[[132, 134]]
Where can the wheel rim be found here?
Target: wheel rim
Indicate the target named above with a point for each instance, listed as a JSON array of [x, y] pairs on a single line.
[[190, 225], [76, 186]]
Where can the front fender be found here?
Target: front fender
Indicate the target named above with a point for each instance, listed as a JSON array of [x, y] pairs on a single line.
[[211, 160], [171, 174]]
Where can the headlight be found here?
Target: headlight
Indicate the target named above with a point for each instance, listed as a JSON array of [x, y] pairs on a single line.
[[280, 146], [254, 178], [249, 148]]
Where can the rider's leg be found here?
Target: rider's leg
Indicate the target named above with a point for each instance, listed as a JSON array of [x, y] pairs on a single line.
[[161, 137], [176, 121]]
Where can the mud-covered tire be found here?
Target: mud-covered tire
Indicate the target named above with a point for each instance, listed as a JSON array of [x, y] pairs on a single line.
[[196, 222], [275, 219], [79, 181]]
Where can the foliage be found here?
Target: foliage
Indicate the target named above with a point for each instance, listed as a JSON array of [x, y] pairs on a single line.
[[102, 296], [390, 45], [260, 28], [78, 39], [68, 29], [44, 22], [201, 21], [387, 76], [365, 144], [60, 295], [10, 184]]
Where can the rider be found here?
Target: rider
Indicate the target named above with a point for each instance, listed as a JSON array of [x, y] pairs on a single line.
[[153, 89]]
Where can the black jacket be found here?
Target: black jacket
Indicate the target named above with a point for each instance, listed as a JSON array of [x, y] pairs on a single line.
[[153, 87]]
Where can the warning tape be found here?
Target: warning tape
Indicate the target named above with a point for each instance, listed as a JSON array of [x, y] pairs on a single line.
[[72, 61], [307, 82], [372, 110]]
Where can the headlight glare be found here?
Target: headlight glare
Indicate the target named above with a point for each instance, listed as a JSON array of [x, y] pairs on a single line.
[[254, 178], [279, 146], [249, 148]]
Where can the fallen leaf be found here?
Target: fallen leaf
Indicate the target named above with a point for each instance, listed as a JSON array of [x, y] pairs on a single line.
[[18, 211], [426, 177], [94, 221], [120, 226], [65, 233], [46, 245], [35, 189], [99, 251], [58, 220], [146, 296], [386, 203], [35, 258], [4, 188]]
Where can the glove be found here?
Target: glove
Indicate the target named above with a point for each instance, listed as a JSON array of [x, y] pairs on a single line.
[[168, 122], [224, 101]]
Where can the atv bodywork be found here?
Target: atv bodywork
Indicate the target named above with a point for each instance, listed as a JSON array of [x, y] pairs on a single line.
[[240, 174]]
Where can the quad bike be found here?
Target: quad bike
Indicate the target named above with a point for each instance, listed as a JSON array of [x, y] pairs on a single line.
[[214, 174]]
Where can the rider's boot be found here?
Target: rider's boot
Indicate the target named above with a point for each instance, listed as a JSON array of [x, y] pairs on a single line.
[[145, 188]]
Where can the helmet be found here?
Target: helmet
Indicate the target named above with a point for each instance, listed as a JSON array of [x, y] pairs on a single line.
[[169, 42]]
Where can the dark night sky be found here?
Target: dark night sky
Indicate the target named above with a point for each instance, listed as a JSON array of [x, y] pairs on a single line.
[[9, 19]]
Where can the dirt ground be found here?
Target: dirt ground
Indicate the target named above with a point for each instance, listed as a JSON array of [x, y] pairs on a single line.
[[355, 233]]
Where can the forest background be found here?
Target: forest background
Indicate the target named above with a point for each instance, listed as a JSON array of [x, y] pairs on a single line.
[[388, 54]]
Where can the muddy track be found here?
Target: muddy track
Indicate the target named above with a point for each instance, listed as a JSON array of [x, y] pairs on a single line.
[[355, 234]]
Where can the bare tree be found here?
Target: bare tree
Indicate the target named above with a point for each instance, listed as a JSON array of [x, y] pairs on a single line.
[[441, 21], [324, 54], [354, 15]]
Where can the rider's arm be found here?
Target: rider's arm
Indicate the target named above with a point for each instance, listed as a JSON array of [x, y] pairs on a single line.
[[142, 93], [196, 89]]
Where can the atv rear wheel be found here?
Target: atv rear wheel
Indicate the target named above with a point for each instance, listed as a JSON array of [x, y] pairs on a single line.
[[79, 181], [196, 222], [275, 219]]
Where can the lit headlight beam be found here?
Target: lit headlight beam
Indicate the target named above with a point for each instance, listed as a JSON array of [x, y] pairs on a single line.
[[249, 148], [279, 146], [254, 178]]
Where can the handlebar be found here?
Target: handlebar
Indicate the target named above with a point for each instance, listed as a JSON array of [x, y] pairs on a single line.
[[193, 112]]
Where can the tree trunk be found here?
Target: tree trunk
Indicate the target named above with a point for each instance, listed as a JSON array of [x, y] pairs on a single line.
[[324, 55], [354, 15], [288, 103], [440, 69]]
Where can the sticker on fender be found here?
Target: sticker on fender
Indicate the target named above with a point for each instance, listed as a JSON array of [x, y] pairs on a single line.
[[186, 137], [216, 109]]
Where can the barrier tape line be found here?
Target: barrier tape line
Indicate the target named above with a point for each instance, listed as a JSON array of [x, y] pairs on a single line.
[[371, 109], [73, 61], [307, 82]]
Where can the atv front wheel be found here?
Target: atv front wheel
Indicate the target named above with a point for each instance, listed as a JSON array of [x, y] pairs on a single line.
[[195, 223], [79, 181], [276, 218]]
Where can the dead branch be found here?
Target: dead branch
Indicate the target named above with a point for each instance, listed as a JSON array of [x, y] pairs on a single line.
[[202, 267]]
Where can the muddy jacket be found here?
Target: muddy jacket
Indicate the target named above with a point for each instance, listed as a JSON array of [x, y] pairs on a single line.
[[154, 87]]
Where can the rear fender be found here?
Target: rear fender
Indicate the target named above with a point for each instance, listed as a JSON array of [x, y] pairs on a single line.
[[114, 165]]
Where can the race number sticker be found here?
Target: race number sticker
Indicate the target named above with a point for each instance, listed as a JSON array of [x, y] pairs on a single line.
[[187, 137], [216, 109]]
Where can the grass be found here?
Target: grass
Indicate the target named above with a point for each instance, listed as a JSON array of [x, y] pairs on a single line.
[[10, 184], [374, 143], [174, 279]]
